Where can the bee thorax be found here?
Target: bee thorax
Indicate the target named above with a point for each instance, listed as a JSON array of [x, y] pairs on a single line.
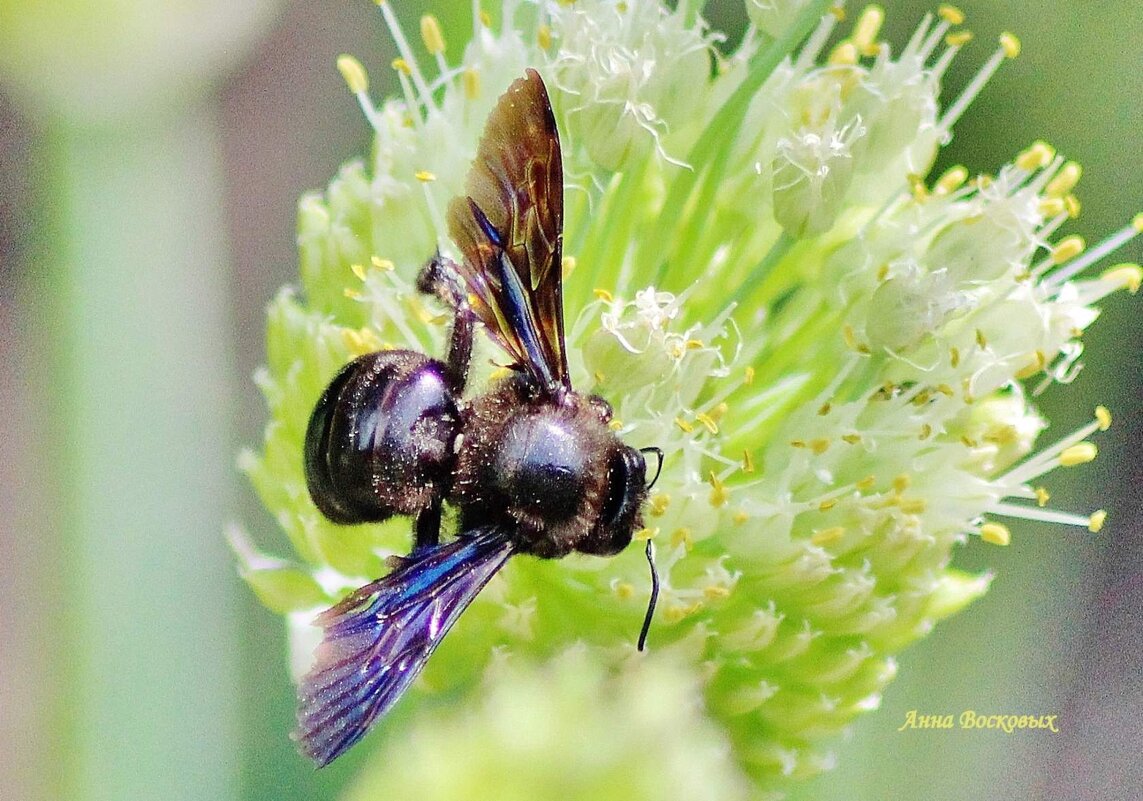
[[536, 466]]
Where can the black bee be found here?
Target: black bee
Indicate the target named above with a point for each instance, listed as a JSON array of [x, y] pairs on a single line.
[[531, 466]]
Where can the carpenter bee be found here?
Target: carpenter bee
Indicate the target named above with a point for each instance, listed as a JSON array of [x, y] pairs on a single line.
[[531, 466]]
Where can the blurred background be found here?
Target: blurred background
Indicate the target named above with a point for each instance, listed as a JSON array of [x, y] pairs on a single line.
[[151, 155]]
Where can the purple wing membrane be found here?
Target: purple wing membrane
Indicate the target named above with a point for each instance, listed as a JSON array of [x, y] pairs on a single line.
[[378, 639]]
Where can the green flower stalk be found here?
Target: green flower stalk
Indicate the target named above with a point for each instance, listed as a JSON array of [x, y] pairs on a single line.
[[836, 353]]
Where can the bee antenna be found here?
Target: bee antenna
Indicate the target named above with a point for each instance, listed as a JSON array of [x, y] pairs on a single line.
[[654, 593], [659, 453]]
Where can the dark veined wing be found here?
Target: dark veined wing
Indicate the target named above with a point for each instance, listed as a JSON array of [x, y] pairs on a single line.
[[378, 639], [509, 228]]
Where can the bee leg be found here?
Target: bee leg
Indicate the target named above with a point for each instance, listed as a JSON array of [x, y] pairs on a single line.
[[427, 530], [441, 279]]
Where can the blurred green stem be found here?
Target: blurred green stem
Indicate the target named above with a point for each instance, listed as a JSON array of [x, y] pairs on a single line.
[[144, 390]]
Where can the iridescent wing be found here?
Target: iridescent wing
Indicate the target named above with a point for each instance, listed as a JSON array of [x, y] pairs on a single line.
[[509, 229], [378, 639]]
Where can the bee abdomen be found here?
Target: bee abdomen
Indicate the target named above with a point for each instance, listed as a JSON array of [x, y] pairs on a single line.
[[380, 440]]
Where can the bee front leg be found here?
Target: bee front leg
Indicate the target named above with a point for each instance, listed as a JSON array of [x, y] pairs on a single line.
[[427, 531], [441, 279]]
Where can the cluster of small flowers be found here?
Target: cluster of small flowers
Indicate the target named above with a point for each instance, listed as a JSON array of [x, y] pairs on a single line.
[[833, 353]]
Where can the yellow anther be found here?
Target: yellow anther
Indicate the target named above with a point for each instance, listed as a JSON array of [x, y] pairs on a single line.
[[431, 34], [1065, 180], [719, 412], [366, 341], [824, 409], [357, 270], [925, 432], [544, 37], [797, 443], [602, 294], [922, 397], [1096, 521], [485, 18], [748, 376], [1067, 249], [1037, 156], [352, 294], [658, 504], [353, 73], [402, 66], [684, 425], [1010, 44], [1081, 453], [902, 482], [1039, 360], [914, 506], [995, 533], [1001, 434], [695, 344], [471, 81], [682, 536], [945, 390], [983, 181], [740, 517], [567, 266], [615, 425], [867, 27], [849, 337], [981, 340], [1137, 222], [917, 185], [958, 38], [715, 592], [382, 264], [952, 180], [1042, 496], [420, 312], [1129, 276], [827, 504], [851, 439], [1073, 206], [1103, 417], [707, 421], [501, 373], [838, 12], [353, 341], [950, 14], [424, 176], [954, 356], [882, 272], [966, 389], [844, 55], [1053, 206], [969, 442], [747, 462], [644, 534], [819, 445], [866, 483], [718, 491], [624, 591], [826, 536], [598, 376]]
